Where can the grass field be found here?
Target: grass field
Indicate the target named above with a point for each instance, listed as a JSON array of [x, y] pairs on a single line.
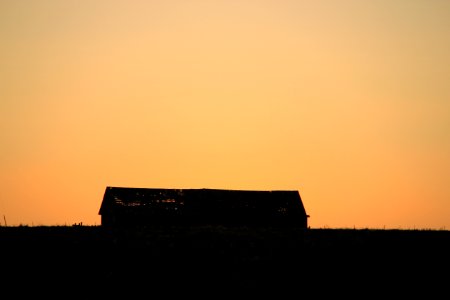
[[217, 260]]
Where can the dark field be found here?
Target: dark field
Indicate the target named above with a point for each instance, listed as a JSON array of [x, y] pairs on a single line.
[[213, 261]]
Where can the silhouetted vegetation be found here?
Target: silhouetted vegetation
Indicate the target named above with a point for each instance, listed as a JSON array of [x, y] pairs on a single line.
[[220, 259]]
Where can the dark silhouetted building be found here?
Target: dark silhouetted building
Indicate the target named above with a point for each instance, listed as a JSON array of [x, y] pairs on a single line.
[[129, 207]]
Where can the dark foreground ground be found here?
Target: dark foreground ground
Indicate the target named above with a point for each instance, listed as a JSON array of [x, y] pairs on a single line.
[[214, 261]]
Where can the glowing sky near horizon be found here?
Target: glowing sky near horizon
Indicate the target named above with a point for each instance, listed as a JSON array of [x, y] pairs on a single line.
[[346, 101]]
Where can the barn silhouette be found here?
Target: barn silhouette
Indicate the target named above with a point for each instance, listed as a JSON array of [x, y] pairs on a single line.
[[131, 207]]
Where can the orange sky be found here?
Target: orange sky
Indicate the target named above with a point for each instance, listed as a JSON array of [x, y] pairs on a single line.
[[346, 101]]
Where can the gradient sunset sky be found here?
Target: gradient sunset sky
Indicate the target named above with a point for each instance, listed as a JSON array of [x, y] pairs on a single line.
[[347, 101]]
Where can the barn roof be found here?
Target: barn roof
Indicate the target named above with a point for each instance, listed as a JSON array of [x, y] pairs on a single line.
[[219, 198]]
